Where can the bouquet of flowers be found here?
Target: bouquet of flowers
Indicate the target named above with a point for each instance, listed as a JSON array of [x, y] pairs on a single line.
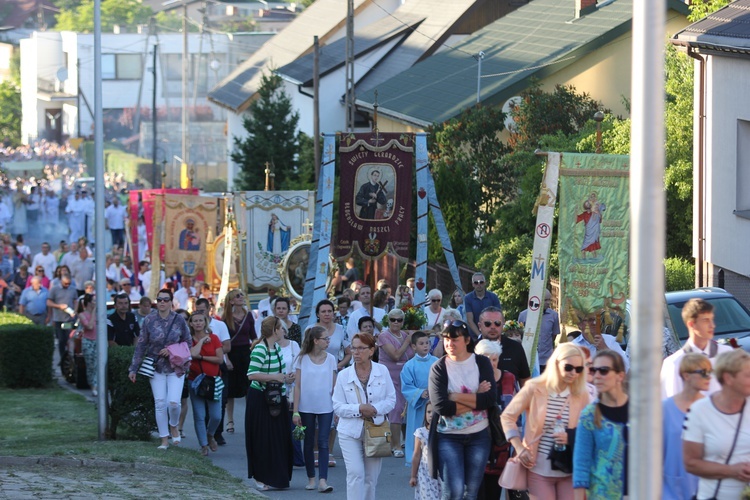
[[299, 432], [414, 318]]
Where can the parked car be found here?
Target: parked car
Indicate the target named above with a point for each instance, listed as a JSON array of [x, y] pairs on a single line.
[[732, 319]]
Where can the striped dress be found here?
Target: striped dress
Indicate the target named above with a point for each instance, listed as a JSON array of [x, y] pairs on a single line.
[[265, 360]]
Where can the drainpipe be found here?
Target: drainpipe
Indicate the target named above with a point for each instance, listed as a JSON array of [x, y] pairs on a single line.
[[701, 138]]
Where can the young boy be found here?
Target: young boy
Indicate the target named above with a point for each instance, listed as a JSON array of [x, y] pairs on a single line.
[[415, 377]]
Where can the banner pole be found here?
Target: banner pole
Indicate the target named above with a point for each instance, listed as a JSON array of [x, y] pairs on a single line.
[[423, 172]]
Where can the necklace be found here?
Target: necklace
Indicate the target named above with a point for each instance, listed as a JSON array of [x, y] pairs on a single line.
[[363, 378], [400, 336]]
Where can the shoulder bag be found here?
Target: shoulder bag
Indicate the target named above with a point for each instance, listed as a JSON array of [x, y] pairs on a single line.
[[515, 475], [273, 392], [377, 437]]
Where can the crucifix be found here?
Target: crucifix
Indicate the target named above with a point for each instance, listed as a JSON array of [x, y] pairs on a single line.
[[269, 178]]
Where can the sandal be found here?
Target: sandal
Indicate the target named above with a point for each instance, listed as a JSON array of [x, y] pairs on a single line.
[[331, 462], [397, 453], [230, 427], [182, 434], [204, 451], [212, 443]]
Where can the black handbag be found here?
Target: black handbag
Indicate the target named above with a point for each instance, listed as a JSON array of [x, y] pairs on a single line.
[[562, 460], [496, 429], [273, 392], [206, 388]]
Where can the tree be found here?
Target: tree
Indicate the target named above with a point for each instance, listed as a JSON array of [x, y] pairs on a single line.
[[271, 126], [701, 8], [10, 113], [120, 12]]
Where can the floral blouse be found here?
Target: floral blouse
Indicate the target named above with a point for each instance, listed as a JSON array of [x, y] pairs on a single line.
[[156, 334]]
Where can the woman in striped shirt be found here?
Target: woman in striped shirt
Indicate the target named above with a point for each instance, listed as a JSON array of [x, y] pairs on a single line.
[[267, 438]]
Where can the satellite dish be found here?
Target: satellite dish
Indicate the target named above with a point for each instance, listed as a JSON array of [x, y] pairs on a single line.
[[62, 74], [513, 101]]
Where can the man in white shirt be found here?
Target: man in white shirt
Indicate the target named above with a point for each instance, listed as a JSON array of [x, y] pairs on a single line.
[[114, 220], [127, 287], [114, 271], [365, 294], [32, 209], [46, 259], [76, 216], [70, 256], [182, 296], [698, 316], [264, 306]]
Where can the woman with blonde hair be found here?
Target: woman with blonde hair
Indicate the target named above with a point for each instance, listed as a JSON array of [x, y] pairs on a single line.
[[241, 326], [558, 395]]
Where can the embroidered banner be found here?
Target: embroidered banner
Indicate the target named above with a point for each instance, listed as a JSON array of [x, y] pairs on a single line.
[[375, 195], [189, 222], [271, 220], [593, 237]]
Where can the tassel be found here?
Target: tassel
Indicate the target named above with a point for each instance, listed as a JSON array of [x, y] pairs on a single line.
[[563, 335], [620, 333]]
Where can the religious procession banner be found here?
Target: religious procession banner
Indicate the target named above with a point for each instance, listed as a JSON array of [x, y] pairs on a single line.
[[375, 195], [271, 220], [190, 222], [593, 238]]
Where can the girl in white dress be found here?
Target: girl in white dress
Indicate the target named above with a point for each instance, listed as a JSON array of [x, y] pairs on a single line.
[[427, 488]]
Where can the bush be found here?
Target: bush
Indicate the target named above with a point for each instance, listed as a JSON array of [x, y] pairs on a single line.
[[131, 405], [680, 274], [26, 356]]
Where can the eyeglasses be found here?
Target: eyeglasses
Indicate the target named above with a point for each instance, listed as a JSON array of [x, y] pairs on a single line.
[[239, 296], [360, 349], [40, 270], [604, 370], [489, 323], [324, 339], [126, 284], [478, 282], [435, 300], [396, 320], [703, 373], [570, 368], [163, 299]]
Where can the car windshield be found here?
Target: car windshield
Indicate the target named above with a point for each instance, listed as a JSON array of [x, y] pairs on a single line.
[[730, 316]]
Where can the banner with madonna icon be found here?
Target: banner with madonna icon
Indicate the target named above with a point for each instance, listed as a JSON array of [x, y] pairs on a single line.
[[593, 238], [189, 222], [271, 220], [376, 194]]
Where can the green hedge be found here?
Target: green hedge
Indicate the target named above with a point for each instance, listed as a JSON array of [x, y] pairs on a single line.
[[131, 407], [680, 274], [26, 356]]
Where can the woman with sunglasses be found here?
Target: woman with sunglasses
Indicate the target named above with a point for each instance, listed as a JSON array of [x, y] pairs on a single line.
[[600, 467], [241, 326], [695, 372], [461, 388], [716, 442], [362, 391], [558, 395], [315, 371], [38, 272], [395, 350], [434, 311], [159, 331]]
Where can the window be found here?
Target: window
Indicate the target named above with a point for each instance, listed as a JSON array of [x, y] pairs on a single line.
[[742, 209], [122, 66]]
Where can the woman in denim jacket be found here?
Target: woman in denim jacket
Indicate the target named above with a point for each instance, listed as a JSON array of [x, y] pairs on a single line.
[[600, 453]]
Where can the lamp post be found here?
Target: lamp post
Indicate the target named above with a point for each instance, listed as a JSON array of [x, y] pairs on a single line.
[[598, 118]]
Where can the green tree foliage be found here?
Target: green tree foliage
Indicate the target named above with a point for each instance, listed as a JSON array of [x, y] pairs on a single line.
[[701, 8], [80, 17], [680, 273], [172, 21], [271, 137], [10, 112]]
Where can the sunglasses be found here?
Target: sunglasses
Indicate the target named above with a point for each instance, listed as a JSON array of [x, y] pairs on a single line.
[[703, 373], [454, 329], [396, 320], [479, 282], [489, 323], [604, 370], [570, 368], [163, 299], [435, 300]]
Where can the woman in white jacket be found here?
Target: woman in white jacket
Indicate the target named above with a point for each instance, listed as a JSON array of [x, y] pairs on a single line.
[[363, 390]]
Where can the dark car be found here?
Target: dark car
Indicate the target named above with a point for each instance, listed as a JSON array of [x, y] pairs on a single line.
[[732, 319]]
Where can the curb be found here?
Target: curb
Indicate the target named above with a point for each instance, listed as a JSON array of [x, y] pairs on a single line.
[[77, 462]]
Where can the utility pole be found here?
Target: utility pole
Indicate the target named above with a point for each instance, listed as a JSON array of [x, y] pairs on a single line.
[[154, 177], [137, 114], [316, 105], [479, 58], [349, 67], [185, 63]]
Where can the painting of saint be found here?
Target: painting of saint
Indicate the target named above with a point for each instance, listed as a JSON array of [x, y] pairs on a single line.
[[592, 218], [278, 236], [371, 194], [189, 237]]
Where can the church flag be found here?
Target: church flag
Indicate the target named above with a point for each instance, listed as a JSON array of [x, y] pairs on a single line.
[[189, 221]]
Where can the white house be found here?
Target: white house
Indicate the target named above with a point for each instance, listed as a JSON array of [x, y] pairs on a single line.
[[720, 44], [57, 79]]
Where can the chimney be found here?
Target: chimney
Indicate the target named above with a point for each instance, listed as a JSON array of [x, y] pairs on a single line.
[[584, 7]]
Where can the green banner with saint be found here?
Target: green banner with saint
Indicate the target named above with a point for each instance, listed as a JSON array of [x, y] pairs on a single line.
[[593, 238]]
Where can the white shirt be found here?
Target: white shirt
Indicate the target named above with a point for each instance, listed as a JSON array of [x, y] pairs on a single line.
[[115, 216], [181, 297], [219, 328], [339, 340], [715, 430], [114, 272], [611, 343], [135, 295], [68, 259], [48, 262], [352, 328], [315, 397], [380, 393], [264, 306], [290, 354], [671, 382]]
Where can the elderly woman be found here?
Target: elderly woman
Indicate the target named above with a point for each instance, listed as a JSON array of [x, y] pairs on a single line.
[[695, 372], [716, 444], [434, 310], [362, 391], [159, 331], [462, 389], [559, 394], [395, 350]]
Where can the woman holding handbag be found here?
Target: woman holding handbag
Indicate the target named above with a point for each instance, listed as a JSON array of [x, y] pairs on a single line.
[[462, 390], [557, 396], [267, 438], [207, 355], [363, 392], [159, 331]]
